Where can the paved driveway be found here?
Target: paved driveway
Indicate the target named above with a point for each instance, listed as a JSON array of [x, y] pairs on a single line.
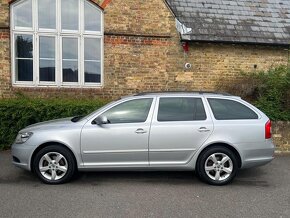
[[260, 192]]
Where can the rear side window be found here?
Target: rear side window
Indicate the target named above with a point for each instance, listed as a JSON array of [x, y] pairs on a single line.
[[224, 109], [180, 109]]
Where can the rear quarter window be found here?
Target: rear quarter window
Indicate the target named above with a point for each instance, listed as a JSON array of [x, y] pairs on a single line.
[[224, 109]]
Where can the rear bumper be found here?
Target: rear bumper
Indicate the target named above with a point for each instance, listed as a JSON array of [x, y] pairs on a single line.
[[21, 155], [256, 162], [257, 154]]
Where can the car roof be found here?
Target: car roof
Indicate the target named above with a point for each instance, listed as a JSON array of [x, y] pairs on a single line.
[[184, 93]]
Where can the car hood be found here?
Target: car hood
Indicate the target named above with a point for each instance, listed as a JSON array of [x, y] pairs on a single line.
[[49, 124]]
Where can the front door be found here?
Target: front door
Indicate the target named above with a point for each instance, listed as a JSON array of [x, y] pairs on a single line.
[[123, 141]]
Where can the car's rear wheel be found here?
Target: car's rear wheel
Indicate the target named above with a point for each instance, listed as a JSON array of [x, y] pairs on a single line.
[[54, 165], [217, 165]]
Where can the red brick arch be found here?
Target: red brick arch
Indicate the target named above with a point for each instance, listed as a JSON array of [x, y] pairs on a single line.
[[105, 3]]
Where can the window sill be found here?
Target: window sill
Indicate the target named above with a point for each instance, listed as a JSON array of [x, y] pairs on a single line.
[[70, 86]]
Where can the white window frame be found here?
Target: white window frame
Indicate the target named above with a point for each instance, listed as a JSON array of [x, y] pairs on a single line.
[[83, 57], [38, 59], [47, 30], [36, 32], [78, 60], [22, 28]]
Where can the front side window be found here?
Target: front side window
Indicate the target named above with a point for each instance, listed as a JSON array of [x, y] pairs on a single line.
[[133, 111], [180, 109], [224, 109], [57, 42]]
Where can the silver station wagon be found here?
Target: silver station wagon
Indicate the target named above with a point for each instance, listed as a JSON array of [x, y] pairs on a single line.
[[210, 133]]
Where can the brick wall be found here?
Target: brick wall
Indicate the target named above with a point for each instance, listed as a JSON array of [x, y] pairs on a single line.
[[4, 13], [211, 62], [5, 73], [281, 136], [138, 17], [143, 53]]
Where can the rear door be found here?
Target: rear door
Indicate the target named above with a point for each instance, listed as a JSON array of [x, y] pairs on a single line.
[[179, 127]]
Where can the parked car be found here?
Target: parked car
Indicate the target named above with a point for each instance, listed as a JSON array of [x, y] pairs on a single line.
[[212, 134]]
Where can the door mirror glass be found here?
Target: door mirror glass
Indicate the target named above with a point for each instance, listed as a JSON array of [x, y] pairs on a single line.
[[100, 120]]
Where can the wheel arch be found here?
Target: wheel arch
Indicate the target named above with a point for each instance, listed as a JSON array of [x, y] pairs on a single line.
[[48, 144], [226, 145]]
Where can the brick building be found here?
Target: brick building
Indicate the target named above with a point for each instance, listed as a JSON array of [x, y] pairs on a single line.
[[110, 48]]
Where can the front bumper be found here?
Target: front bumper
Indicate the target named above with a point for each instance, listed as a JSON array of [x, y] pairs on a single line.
[[21, 155]]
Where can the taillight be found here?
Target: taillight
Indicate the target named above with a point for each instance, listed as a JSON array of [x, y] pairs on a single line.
[[268, 132]]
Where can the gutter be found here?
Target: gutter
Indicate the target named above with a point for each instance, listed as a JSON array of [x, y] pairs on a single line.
[[236, 42]]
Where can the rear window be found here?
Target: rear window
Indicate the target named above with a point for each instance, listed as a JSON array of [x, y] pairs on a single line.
[[180, 109], [224, 109]]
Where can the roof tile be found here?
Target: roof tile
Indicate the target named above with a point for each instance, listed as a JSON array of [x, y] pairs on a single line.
[[249, 21]]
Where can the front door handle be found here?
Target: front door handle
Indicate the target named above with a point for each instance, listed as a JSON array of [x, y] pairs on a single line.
[[203, 129], [140, 131]]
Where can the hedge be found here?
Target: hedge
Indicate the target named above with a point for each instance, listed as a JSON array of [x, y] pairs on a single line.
[[18, 113], [268, 90]]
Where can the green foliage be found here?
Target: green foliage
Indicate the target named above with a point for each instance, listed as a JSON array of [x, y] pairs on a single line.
[[268, 90], [274, 89], [18, 113]]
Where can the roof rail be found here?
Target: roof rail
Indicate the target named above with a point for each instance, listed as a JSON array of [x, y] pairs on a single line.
[[185, 92]]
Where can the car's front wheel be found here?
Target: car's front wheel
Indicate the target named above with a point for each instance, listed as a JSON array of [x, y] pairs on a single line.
[[54, 164], [217, 165]]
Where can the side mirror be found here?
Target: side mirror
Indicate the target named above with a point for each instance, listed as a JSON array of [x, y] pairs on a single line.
[[100, 120]]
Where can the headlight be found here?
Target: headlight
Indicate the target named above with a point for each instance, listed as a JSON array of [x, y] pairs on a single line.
[[23, 137]]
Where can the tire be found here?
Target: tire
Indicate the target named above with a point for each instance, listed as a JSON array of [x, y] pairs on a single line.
[[54, 164], [217, 165]]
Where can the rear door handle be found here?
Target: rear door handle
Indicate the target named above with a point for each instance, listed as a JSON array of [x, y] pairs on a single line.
[[140, 131], [203, 129]]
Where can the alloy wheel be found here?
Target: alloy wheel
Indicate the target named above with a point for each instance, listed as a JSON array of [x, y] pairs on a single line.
[[218, 166], [53, 166]]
